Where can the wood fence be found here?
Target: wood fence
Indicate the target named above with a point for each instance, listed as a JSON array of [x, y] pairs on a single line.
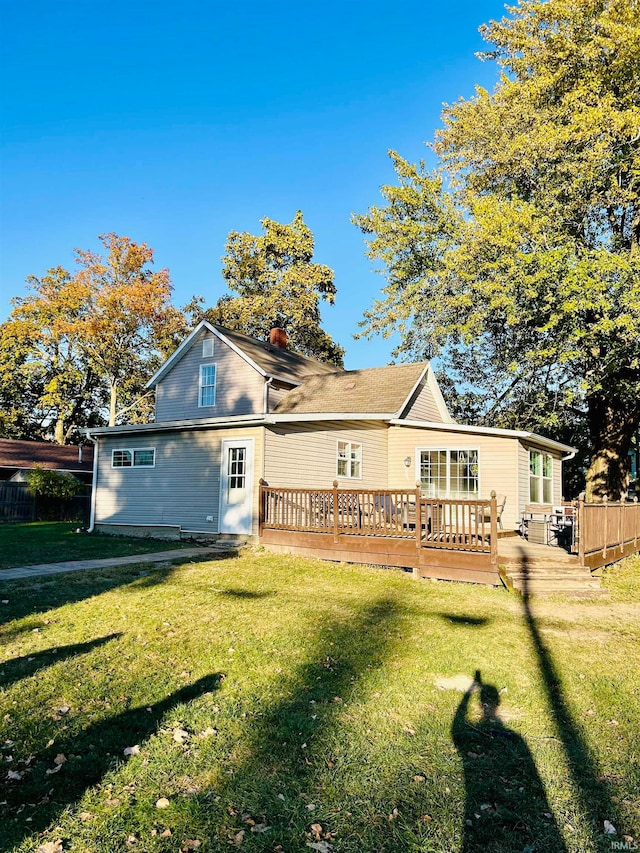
[[606, 532], [17, 505]]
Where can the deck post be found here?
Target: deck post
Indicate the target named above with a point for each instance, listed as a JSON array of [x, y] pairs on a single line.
[[494, 528], [261, 507], [418, 515], [580, 519], [335, 510]]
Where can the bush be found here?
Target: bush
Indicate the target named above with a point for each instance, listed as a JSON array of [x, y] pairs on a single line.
[[51, 484]]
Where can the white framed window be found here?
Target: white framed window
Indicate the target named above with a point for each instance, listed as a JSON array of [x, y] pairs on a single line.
[[349, 460], [139, 457], [450, 473], [207, 347], [540, 477], [207, 389]]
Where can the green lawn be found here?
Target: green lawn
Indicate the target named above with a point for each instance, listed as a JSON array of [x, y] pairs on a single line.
[[279, 704], [56, 542]]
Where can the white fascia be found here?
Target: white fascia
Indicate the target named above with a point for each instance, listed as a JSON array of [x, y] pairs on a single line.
[[475, 430]]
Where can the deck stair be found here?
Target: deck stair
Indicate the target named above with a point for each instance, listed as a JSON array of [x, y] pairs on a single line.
[[545, 570]]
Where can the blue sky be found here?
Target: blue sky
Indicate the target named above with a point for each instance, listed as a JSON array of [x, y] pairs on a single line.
[[177, 122]]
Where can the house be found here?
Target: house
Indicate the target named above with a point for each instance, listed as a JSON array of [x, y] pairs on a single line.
[[17, 458], [232, 410]]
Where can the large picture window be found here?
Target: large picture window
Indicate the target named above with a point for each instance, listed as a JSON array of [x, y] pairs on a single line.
[[207, 390], [350, 459], [450, 474], [540, 477], [143, 457]]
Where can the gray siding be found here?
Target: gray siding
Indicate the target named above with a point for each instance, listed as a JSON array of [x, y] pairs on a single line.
[[182, 489], [304, 455], [239, 388], [423, 407]]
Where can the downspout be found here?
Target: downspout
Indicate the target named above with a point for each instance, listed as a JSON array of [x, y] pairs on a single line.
[[264, 428], [94, 483]]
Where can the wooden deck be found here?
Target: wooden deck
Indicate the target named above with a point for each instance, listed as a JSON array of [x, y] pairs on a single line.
[[442, 539]]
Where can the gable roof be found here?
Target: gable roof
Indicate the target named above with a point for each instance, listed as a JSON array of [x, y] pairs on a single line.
[[384, 390], [267, 359], [26, 454]]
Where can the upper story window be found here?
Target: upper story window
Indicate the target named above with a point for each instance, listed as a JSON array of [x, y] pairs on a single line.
[[143, 457], [540, 477], [350, 459], [450, 473], [207, 391], [207, 347]]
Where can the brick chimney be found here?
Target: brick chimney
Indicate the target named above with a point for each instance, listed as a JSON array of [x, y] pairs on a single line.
[[278, 338]]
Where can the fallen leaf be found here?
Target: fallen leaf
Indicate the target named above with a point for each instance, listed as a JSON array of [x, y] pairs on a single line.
[[60, 759], [86, 816], [162, 803], [260, 827], [311, 806], [132, 750], [64, 709], [609, 828], [51, 847], [320, 846], [179, 735], [166, 833], [191, 844], [238, 838], [419, 779], [393, 815], [316, 828], [15, 776]]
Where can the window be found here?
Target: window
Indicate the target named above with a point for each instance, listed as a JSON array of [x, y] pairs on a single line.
[[450, 474], [236, 467], [207, 396], [540, 477], [207, 347], [350, 459], [144, 457]]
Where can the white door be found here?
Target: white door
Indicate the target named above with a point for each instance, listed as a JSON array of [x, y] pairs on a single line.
[[236, 486]]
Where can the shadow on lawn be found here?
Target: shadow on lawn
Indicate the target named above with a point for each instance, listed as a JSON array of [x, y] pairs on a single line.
[[290, 762], [22, 667], [592, 789], [90, 754], [506, 807], [34, 598]]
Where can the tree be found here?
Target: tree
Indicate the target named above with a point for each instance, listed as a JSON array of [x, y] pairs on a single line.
[[278, 285], [79, 344], [518, 260]]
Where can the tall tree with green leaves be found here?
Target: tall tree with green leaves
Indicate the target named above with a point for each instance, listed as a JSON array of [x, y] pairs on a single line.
[[518, 259], [278, 285]]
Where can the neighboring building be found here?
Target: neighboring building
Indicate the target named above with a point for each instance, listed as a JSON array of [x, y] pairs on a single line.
[[231, 410], [17, 458]]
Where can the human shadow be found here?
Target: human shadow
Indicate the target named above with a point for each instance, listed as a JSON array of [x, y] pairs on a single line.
[[505, 810], [26, 665], [89, 755], [592, 789]]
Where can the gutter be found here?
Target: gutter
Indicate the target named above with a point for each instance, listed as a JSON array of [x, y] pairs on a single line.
[[94, 483]]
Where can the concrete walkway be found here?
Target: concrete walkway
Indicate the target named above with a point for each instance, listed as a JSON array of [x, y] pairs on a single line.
[[25, 572]]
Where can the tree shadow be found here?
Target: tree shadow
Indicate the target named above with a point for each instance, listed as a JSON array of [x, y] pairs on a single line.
[[245, 593], [38, 596], [90, 754], [289, 763], [595, 797], [505, 810], [27, 665], [457, 619]]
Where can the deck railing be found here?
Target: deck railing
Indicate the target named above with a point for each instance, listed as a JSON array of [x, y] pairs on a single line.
[[607, 531], [467, 525]]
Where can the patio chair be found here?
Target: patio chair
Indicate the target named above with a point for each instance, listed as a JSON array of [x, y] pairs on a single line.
[[483, 514]]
